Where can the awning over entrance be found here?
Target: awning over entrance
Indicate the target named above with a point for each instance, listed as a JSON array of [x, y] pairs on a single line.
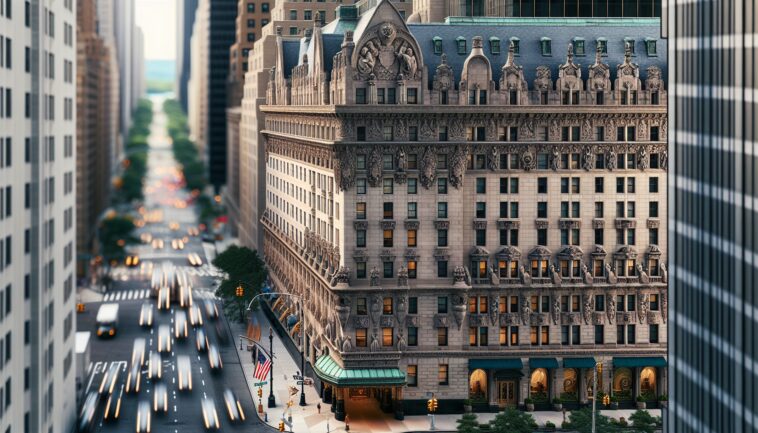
[[543, 363], [579, 362], [496, 364], [650, 361], [329, 371]]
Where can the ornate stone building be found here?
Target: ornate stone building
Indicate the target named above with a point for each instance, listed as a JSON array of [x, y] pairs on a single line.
[[481, 219]]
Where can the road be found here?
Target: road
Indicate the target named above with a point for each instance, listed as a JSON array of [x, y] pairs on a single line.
[[130, 289]]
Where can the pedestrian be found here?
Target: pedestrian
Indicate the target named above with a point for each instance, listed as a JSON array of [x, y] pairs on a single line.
[[318, 408], [347, 422]]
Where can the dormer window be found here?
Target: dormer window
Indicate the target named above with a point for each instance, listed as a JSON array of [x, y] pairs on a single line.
[[629, 42], [651, 45], [602, 43], [495, 45], [546, 45], [515, 41], [437, 43], [461, 43], [579, 47]]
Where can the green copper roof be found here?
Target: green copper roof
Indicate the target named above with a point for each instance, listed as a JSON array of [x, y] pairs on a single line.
[[329, 371]]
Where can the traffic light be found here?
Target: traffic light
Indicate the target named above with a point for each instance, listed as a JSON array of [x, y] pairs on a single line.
[[281, 425], [600, 369], [240, 291], [260, 392], [431, 404], [606, 399], [434, 405]]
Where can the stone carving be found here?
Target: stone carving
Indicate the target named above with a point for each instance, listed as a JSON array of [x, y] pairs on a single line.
[[401, 129], [627, 73], [600, 73], [361, 322], [386, 321], [643, 161], [459, 275], [598, 318], [341, 276], [375, 308], [402, 277], [459, 309], [556, 310], [387, 57], [586, 274], [555, 159], [644, 278], [408, 63], [527, 161], [345, 169], [347, 345], [374, 277], [374, 130], [401, 344], [611, 301], [664, 273], [509, 319], [610, 159], [587, 131], [401, 159], [387, 33], [367, 59], [493, 310], [492, 159], [457, 130], [343, 312], [588, 159], [526, 129], [588, 310], [643, 131], [664, 306], [543, 79], [524, 275], [554, 131], [526, 310], [512, 75], [458, 166], [654, 81], [441, 321], [569, 73], [555, 276], [402, 309], [428, 168], [443, 78], [664, 156], [610, 275], [374, 342], [411, 321], [494, 277], [644, 301], [426, 132], [375, 167]]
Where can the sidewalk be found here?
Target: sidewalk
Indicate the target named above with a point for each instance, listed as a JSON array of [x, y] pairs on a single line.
[[307, 419]]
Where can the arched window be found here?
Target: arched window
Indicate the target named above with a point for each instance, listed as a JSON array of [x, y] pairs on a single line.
[[538, 385], [622, 383], [570, 384], [648, 385], [477, 385]]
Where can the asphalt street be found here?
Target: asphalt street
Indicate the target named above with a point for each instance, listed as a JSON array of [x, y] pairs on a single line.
[[130, 289]]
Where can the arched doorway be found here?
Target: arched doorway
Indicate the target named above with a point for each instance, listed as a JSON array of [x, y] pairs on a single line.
[[648, 383], [477, 386], [570, 391], [538, 385], [623, 383]]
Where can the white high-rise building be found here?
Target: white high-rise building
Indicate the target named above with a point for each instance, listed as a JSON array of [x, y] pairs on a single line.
[[37, 214], [106, 30], [123, 19]]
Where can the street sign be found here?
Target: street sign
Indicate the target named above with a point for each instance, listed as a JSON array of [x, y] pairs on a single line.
[[260, 383], [296, 377]]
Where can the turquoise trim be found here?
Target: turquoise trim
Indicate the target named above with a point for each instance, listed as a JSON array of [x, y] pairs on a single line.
[[329, 371], [579, 362], [496, 364], [645, 361], [543, 363]]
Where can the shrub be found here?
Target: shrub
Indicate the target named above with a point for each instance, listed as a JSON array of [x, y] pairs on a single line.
[[468, 424], [512, 420], [643, 421]]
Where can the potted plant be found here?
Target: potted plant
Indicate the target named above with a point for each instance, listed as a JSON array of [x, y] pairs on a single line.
[[565, 425], [663, 400], [549, 426], [529, 404], [641, 402], [614, 402], [557, 404], [467, 406]]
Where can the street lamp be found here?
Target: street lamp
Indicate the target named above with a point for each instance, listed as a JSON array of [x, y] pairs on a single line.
[[271, 398]]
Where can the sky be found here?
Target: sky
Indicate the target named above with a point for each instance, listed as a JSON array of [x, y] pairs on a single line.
[[157, 18]]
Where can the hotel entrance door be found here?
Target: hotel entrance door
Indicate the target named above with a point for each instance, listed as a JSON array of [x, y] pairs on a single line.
[[506, 393]]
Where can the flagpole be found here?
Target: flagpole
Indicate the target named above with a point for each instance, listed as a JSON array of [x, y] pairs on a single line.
[[271, 398]]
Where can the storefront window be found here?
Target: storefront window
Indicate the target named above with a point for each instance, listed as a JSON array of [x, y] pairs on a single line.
[[477, 385], [648, 383], [622, 384], [538, 385], [570, 385], [588, 375]]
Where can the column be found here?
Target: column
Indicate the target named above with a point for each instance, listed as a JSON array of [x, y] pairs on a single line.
[[582, 378], [556, 388], [636, 381], [397, 403], [339, 412], [371, 92], [401, 95]]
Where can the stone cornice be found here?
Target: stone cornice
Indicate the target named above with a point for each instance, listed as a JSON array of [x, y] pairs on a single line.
[[373, 109]]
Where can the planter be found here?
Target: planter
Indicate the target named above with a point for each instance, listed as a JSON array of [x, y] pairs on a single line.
[[558, 407], [530, 407], [641, 405], [466, 408], [614, 405]]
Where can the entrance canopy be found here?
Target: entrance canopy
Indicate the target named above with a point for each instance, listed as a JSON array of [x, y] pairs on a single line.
[[579, 362], [329, 371], [650, 361], [543, 363], [496, 364]]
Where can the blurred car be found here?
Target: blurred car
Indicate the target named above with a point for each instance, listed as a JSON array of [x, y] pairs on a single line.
[[180, 324], [194, 259], [131, 261], [160, 398], [138, 352], [201, 340], [110, 378], [210, 416], [195, 317], [113, 405], [146, 315], [143, 417], [193, 231], [214, 358], [184, 372], [164, 339], [185, 295], [87, 414], [173, 225], [164, 298], [177, 244], [133, 379], [233, 406], [154, 365], [211, 310], [146, 238], [157, 244]]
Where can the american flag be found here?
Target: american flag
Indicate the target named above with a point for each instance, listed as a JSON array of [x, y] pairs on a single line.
[[262, 365]]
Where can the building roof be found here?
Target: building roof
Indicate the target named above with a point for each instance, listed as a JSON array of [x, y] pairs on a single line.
[[328, 370]]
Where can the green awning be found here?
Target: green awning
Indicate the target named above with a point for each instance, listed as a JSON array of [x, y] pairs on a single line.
[[543, 363], [579, 362], [650, 361], [496, 364], [329, 371]]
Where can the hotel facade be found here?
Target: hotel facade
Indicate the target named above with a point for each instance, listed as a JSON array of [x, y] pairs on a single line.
[[487, 217]]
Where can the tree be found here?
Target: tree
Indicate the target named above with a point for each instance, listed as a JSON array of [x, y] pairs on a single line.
[[115, 233], [512, 420], [245, 270], [643, 421], [581, 420], [468, 424]]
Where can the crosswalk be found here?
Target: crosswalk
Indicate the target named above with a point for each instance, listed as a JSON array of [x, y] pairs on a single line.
[[138, 294], [123, 273]]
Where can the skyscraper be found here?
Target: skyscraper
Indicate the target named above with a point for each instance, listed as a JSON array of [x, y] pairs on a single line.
[[185, 17], [713, 330], [37, 215]]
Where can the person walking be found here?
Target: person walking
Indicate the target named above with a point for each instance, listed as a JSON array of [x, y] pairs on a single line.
[[318, 408], [347, 422]]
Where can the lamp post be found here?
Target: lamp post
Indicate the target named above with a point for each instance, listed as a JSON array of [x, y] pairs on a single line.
[[271, 398]]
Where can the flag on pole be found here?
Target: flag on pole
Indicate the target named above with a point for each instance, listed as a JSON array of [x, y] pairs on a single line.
[[262, 366]]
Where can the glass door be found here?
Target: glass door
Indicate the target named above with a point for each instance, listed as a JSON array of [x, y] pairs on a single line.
[[506, 393]]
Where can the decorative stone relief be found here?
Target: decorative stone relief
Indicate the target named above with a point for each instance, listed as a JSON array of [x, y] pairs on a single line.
[[543, 79], [428, 168], [492, 158], [538, 319], [569, 73], [480, 224], [611, 159], [387, 56], [361, 322], [375, 167], [360, 225], [386, 321], [528, 162], [611, 307], [664, 306], [375, 308], [512, 75], [527, 129], [588, 309], [374, 277], [524, 275], [411, 321], [441, 224], [402, 309], [556, 309], [441, 321], [610, 275], [427, 129], [401, 343], [571, 318], [374, 346], [402, 277], [587, 275], [588, 158], [599, 73], [341, 277], [459, 309], [598, 318], [344, 169], [654, 81], [526, 310], [555, 276], [387, 225], [508, 319], [443, 77], [644, 278], [493, 309], [644, 306], [458, 165]]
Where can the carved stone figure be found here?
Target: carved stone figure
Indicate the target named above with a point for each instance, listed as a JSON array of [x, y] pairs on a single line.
[[366, 61], [527, 161], [457, 129], [611, 307], [543, 80], [556, 310], [459, 274], [374, 130], [374, 276], [342, 276], [654, 81], [459, 309], [587, 131], [375, 167], [401, 343], [586, 274], [555, 159], [374, 342], [512, 75], [588, 159], [600, 73], [554, 132], [587, 312], [644, 307], [643, 161], [387, 33], [665, 158], [526, 278], [526, 310], [458, 166], [347, 345], [402, 277], [346, 171], [644, 279], [375, 308], [664, 306], [527, 129], [428, 168], [493, 310], [610, 275], [555, 275], [402, 160], [408, 63], [610, 160], [664, 273], [443, 78], [492, 159]]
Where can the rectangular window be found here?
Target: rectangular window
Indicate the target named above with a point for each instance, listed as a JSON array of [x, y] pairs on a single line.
[[360, 307], [442, 336], [599, 334], [360, 96], [412, 97], [360, 270], [442, 374], [412, 210], [387, 186], [442, 305], [387, 337], [388, 212], [413, 305], [442, 237], [412, 372], [388, 269], [388, 238], [542, 185], [653, 333], [481, 185], [442, 209], [599, 184], [442, 269], [360, 211], [360, 337], [411, 238], [442, 185]]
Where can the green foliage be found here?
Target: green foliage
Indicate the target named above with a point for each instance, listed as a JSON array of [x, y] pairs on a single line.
[[244, 268], [643, 421], [159, 86], [512, 420], [114, 229], [136, 148], [581, 421], [468, 424]]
